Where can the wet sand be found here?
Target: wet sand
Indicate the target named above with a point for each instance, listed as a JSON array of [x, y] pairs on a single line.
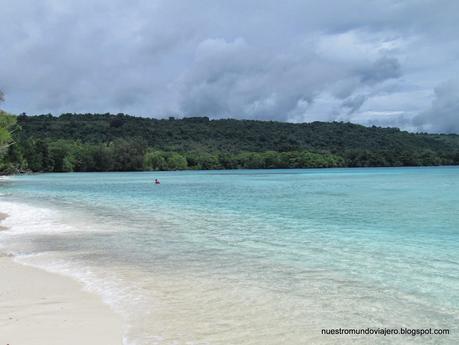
[[41, 308]]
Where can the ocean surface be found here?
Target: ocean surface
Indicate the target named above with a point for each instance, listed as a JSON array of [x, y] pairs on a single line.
[[250, 256]]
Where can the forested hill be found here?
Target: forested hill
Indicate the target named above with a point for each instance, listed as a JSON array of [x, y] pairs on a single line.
[[100, 142]]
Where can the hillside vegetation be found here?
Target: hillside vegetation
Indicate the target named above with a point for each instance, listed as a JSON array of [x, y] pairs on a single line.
[[104, 142]]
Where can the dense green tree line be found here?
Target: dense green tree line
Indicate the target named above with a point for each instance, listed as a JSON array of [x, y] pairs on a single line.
[[105, 142], [66, 156]]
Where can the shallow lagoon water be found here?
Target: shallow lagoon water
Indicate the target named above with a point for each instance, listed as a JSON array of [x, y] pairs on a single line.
[[250, 256]]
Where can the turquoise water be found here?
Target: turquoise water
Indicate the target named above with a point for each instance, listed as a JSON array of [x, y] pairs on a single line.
[[251, 257]]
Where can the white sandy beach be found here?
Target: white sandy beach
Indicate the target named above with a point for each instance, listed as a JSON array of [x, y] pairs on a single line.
[[41, 308]]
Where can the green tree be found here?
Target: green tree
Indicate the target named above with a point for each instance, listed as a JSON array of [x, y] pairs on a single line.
[[128, 155], [7, 126], [176, 161], [62, 155], [155, 160]]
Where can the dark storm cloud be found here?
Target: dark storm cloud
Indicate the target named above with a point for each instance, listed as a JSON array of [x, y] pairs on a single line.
[[443, 115], [354, 103], [383, 68], [363, 61], [231, 78]]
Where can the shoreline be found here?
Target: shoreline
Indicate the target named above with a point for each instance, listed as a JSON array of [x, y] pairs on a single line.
[[42, 308], [32, 173]]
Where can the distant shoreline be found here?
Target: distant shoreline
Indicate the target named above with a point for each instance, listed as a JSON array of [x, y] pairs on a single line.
[[5, 176]]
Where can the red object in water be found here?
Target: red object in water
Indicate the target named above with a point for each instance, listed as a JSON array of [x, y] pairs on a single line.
[[157, 181]]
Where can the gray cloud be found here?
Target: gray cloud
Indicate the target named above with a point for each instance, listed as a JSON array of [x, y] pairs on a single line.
[[237, 78], [297, 61], [382, 69], [443, 115], [354, 103]]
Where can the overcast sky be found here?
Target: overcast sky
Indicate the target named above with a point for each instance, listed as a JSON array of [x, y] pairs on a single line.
[[382, 62]]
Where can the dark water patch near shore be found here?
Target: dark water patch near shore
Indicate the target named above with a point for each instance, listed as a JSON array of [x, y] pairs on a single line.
[[2, 217]]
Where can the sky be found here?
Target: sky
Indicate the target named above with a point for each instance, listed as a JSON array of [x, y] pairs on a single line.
[[375, 62]]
